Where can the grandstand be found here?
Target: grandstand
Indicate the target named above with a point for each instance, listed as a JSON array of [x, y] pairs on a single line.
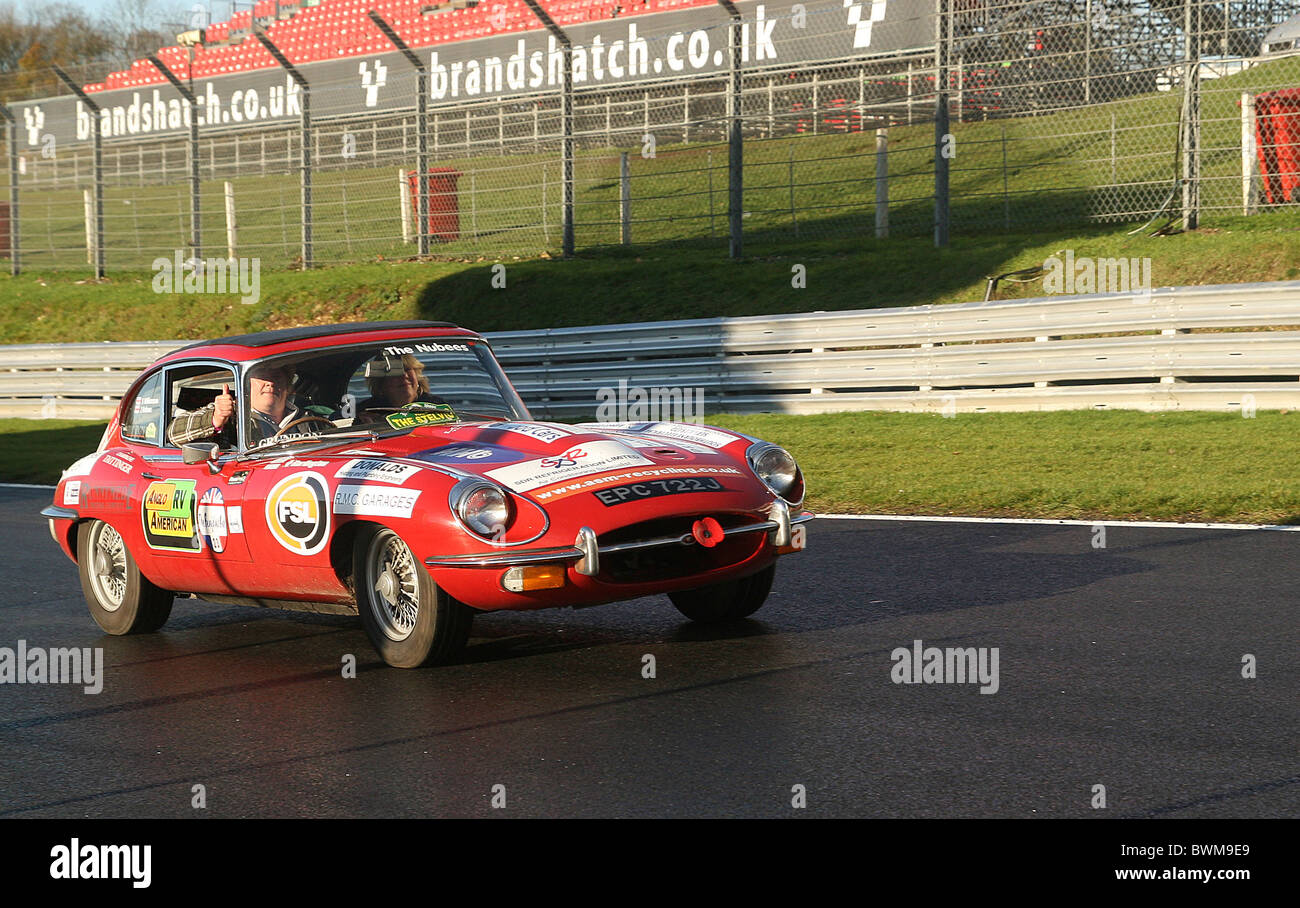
[[308, 32]]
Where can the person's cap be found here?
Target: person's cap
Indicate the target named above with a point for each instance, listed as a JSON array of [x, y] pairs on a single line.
[[271, 372]]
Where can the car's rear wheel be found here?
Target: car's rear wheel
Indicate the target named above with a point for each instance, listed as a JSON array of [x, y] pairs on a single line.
[[409, 620], [727, 601], [121, 599]]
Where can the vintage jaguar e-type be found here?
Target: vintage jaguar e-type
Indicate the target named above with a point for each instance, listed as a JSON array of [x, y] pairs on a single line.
[[389, 469]]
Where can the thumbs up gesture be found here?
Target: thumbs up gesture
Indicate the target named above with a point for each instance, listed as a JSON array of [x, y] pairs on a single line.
[[223, 407]]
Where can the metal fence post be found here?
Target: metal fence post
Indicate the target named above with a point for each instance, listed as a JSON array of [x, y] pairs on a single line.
[[941, 142], [882, 182], [196, 245], [11, 139], [98, 140], [735, 142], [1191, 115], [1249, 153], [421, 129], [304, 129], [566, 119], [625, 199]]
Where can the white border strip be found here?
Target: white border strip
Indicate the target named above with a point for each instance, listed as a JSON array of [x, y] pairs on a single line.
[[23, 485], [1047, 521]]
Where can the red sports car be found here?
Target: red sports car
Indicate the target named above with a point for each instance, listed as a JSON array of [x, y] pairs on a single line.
[[389, 469]]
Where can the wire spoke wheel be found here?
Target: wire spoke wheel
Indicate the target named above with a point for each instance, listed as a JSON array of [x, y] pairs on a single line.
[[121, 599], [394, 585], [409, 619], [108, 567]]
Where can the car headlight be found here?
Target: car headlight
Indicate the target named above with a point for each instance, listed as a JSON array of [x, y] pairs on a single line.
[[778, 470], [482, 507]]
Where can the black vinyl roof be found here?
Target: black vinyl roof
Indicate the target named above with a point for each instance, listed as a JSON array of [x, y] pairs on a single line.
[[281, 335]]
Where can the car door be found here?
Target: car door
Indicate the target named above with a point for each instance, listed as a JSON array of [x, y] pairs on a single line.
[[191, 514]]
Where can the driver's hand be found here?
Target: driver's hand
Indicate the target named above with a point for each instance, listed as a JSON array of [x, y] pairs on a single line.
[[223, 408]]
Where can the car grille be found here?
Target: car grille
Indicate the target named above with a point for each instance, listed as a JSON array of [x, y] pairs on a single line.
[[668, 562]]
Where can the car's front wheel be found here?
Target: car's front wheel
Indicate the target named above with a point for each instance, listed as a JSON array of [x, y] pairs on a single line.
[[730, 600], [121, 599], [409, 620]]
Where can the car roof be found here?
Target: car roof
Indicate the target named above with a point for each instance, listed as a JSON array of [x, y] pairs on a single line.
[[241, 347]]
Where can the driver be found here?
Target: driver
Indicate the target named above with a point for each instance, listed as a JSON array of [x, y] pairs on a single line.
[[268, 395]]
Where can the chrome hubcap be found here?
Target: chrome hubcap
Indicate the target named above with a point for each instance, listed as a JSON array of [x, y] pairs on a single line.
[[395, 585], [108, 571]]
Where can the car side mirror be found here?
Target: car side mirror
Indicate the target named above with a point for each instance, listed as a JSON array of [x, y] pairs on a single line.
[[199, 451]]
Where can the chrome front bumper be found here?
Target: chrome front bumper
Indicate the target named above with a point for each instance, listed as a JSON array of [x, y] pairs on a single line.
[[586, 550]]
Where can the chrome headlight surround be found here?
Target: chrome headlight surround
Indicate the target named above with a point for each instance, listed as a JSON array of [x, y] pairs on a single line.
[[481, 507], [777, 470]]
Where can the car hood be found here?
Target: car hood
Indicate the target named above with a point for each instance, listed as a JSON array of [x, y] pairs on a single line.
[[539, 459]]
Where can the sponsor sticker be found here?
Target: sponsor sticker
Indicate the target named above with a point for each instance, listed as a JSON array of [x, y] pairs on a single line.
[[426, 415], [468, 453], [212, 520], [426, 348], [564, 490], [547, 432], [108, 498], [702, 435], [635, 441], [364, 470], [72, 492], [235, 518], [298, 513], [580, 460], [292, 462], [654, 488], [119, 463], [375, 501], [168, 515]]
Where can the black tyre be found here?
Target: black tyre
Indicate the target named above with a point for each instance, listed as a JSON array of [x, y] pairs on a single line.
[[409, 620], [121, 599], [728, 601]]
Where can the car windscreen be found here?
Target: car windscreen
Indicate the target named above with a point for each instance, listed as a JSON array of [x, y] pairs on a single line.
[[378, 387]]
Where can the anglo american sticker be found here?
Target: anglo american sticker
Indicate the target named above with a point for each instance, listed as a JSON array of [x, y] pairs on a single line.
[[169, 516], [72, 492], [579, 460], [364, 470], [375, 502]]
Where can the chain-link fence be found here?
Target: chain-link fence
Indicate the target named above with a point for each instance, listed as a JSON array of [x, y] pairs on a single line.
[[1054, 113]]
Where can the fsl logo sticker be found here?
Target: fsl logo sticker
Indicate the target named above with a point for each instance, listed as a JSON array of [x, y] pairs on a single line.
[[168, 516], [298, 513]]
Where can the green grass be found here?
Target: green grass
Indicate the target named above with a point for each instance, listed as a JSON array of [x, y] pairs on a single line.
[[639, 284], [38, 450], [1119, 465]]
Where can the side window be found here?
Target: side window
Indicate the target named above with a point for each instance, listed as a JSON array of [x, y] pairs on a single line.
[[142, 420], [191, 388]]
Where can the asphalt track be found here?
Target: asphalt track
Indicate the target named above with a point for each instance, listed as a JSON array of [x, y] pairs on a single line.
[[1119, 667]]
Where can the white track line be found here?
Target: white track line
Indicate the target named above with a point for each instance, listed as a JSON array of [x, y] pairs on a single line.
[[23, 485], [1154, 524]]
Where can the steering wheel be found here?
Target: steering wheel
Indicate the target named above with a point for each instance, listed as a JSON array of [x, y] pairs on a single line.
[[303, 419]]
